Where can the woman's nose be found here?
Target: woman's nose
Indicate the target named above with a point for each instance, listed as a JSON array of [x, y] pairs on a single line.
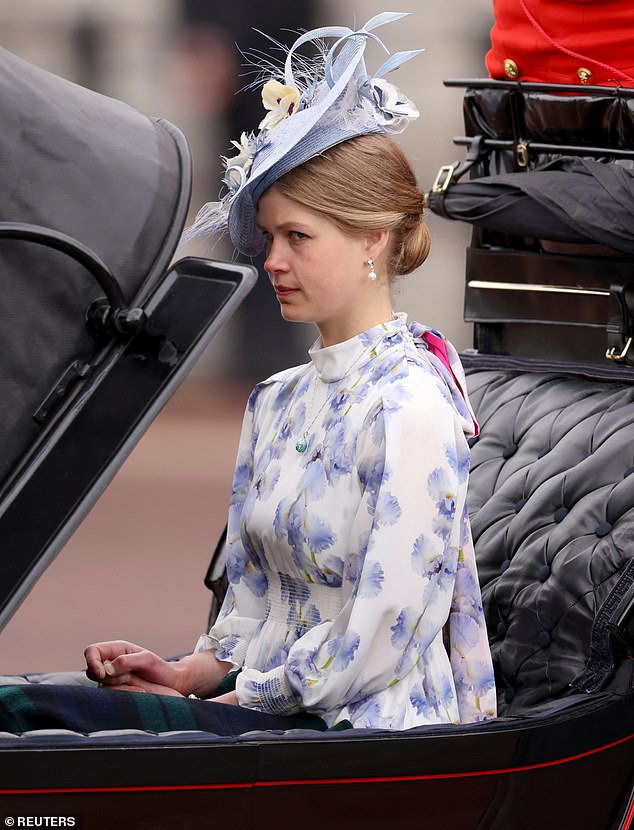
[[273, 262]]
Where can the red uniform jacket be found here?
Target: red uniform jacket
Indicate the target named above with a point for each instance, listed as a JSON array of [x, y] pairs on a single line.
[[563, 41]]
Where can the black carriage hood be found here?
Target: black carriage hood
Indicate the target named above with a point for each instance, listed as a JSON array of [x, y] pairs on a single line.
[[97, 170], [75, 398]]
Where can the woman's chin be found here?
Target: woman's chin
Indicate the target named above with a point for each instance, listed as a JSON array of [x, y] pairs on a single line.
[[292, 315]]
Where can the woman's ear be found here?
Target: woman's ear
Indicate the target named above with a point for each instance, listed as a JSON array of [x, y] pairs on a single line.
[[376, 242]]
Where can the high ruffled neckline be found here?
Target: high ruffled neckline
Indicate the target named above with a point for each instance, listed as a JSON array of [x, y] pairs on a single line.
[[332, 363]]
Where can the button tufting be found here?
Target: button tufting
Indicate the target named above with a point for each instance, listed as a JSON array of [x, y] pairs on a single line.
[[509, 450], [504, 566], [543, 573], [543, 452], [603, 529], [509, 694], [543, 639], [560, 514], [519, 504], [502, 629]]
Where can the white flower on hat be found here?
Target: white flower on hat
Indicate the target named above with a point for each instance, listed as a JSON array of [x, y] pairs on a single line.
[[280, 100], [237, 168], [391, 108]]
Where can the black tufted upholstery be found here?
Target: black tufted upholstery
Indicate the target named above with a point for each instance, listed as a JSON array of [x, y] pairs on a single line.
[[552, 511]]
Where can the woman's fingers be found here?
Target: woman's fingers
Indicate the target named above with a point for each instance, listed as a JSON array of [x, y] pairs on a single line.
[[100, 658], [118, 662]]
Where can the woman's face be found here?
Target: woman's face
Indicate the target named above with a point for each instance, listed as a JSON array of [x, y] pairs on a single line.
[[319, 273]]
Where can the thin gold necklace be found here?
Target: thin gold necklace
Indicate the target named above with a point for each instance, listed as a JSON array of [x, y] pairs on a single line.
[[302, 441]]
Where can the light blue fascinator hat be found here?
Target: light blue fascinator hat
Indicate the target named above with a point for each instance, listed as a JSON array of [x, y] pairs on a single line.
[[311, 105]]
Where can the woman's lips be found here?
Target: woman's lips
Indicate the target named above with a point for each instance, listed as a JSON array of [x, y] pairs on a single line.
[[283, 291]]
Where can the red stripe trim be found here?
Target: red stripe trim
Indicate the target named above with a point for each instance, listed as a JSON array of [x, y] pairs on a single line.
[[319, 781]]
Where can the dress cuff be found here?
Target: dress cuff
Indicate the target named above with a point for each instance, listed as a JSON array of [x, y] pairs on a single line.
[[266, 692], [229, 650], [205, 643]]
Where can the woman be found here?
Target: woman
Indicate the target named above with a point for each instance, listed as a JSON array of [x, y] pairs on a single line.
[[353, 595]]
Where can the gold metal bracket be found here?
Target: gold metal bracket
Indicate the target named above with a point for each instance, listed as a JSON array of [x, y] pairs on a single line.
[[444, 177], [521, 155], [611, 353]]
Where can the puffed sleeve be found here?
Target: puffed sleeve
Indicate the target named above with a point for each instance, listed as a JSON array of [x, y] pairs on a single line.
[[237, 621], [405, 549]]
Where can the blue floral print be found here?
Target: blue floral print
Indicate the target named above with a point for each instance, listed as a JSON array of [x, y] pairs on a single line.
[[427, 556], [342, 650], [353, 591], [246, 569], [404, 628], [387, 510], [371, 580]]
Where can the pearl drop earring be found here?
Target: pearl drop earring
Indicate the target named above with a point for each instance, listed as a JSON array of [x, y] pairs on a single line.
[[372, 274]]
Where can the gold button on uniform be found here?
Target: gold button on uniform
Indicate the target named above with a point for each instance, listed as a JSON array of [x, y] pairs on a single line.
[[511, 69], [584, 75]]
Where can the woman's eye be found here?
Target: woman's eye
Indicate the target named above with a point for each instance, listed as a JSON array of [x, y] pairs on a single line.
[[298, 235]]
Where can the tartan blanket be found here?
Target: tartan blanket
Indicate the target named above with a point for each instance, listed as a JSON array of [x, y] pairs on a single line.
[[87, 709]]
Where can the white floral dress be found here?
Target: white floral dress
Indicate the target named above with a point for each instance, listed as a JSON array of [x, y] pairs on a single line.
[[353, 591]]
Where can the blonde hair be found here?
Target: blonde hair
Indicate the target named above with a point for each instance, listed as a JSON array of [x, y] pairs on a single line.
[[366, 184]]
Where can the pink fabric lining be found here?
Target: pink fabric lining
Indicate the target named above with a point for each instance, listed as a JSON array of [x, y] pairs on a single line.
[[437, 347]]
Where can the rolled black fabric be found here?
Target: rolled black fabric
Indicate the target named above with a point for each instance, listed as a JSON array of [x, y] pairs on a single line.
[[569, 199]]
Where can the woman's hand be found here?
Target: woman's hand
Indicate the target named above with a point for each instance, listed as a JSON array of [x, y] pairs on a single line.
[[125, 665], [136, 684], [228, 697]]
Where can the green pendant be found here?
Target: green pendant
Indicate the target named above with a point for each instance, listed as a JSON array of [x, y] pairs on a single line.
[[301, 445]]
